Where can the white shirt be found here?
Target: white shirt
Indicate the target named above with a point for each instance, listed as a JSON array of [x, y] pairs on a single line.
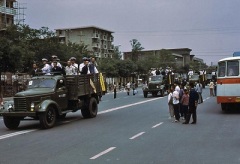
[[128, 85], [75, 67], [175, 97], [70, 70], [81, 66], [46, 69]]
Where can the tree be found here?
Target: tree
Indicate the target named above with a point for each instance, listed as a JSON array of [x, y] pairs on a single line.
[[136, 48]]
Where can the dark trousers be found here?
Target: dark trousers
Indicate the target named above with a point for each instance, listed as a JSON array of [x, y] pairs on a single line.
[[200, 100], [185, 111], [192, 112], [115, 94], [181, 109], [176, 111]]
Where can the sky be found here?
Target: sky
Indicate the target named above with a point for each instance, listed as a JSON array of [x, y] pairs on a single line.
[[211, 28]]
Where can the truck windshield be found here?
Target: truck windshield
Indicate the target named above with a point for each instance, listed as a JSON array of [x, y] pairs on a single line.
[[41, 83], [156, 78]]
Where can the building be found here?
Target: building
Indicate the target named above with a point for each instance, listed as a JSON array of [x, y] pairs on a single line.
[[11, 12], [182, 55], [99, 41], [7, 13]]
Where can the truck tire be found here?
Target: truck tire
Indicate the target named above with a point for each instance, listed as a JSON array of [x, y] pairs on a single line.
[[145, 94], [11, 122], [48, 118], [90, 108]]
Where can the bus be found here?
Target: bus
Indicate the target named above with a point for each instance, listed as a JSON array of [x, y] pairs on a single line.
[[228, 83]]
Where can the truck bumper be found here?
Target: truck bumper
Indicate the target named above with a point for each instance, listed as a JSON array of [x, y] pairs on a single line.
[[19, 114]]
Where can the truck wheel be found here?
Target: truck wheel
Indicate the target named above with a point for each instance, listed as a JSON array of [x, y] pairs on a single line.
[[11, 122], [90, 108], [145, 94], [48, 118]]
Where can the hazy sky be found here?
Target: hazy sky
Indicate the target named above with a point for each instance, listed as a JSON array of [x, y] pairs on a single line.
[[211, 28]]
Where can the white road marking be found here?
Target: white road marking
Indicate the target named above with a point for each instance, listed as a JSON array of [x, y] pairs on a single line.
[[137, 135], [125, 106], [157, 125], [16, 133], [102, 153]]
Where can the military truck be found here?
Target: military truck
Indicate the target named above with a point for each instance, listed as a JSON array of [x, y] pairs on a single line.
[[50, 97], [193, 78], [155, 85]]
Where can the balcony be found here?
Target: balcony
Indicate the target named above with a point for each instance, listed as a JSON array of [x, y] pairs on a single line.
[[96, 46], [95, 36], [7, 10]]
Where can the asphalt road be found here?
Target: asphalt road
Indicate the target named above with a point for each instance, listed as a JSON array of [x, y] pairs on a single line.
[[128, 130]]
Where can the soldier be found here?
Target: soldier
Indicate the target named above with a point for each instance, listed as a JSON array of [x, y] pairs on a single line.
[[70, 69], [55, 58], [46, 67], [74, 65]]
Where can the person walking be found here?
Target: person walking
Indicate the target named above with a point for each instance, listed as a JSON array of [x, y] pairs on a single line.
[[170, 103], [193, 101], [176, 105], [198, 88], [211, 87], [185, 103], [128, 88], [114, 90]]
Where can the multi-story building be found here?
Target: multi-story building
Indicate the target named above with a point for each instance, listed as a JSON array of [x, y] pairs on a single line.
[[182, 55], [99, 41], [7, 13]]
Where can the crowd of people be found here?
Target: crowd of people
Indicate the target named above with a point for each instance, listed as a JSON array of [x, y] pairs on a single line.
[[183, 101], [88, 66]]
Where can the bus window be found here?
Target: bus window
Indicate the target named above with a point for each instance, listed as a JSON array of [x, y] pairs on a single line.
[[232, 68], [221, 69]]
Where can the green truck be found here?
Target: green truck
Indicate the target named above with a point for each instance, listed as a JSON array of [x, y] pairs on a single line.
[[156, 84], [50, 97]]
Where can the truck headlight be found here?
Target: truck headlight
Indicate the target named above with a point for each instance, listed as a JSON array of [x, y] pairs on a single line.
[[32, 106], [10, 106]]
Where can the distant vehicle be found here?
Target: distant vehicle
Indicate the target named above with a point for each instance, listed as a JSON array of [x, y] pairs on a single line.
[[193, 78], [208, 78], [228, 83], [50, 97], [155, 85]]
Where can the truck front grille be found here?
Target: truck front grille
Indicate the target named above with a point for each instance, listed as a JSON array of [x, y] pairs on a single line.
[[20, 104]]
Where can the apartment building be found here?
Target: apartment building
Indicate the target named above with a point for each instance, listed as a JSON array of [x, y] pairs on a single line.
[[99, 41], [7, 13]]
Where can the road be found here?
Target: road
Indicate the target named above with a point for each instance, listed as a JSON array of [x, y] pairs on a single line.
[[128, 130]]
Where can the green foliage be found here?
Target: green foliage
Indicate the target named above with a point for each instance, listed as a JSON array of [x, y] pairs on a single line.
[[136, 48], [20, 46]]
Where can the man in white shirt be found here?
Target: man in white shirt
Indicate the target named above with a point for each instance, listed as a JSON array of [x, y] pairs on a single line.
[[69, 69], [46, 67], [55, 58], [176, 105], [74, 65]]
